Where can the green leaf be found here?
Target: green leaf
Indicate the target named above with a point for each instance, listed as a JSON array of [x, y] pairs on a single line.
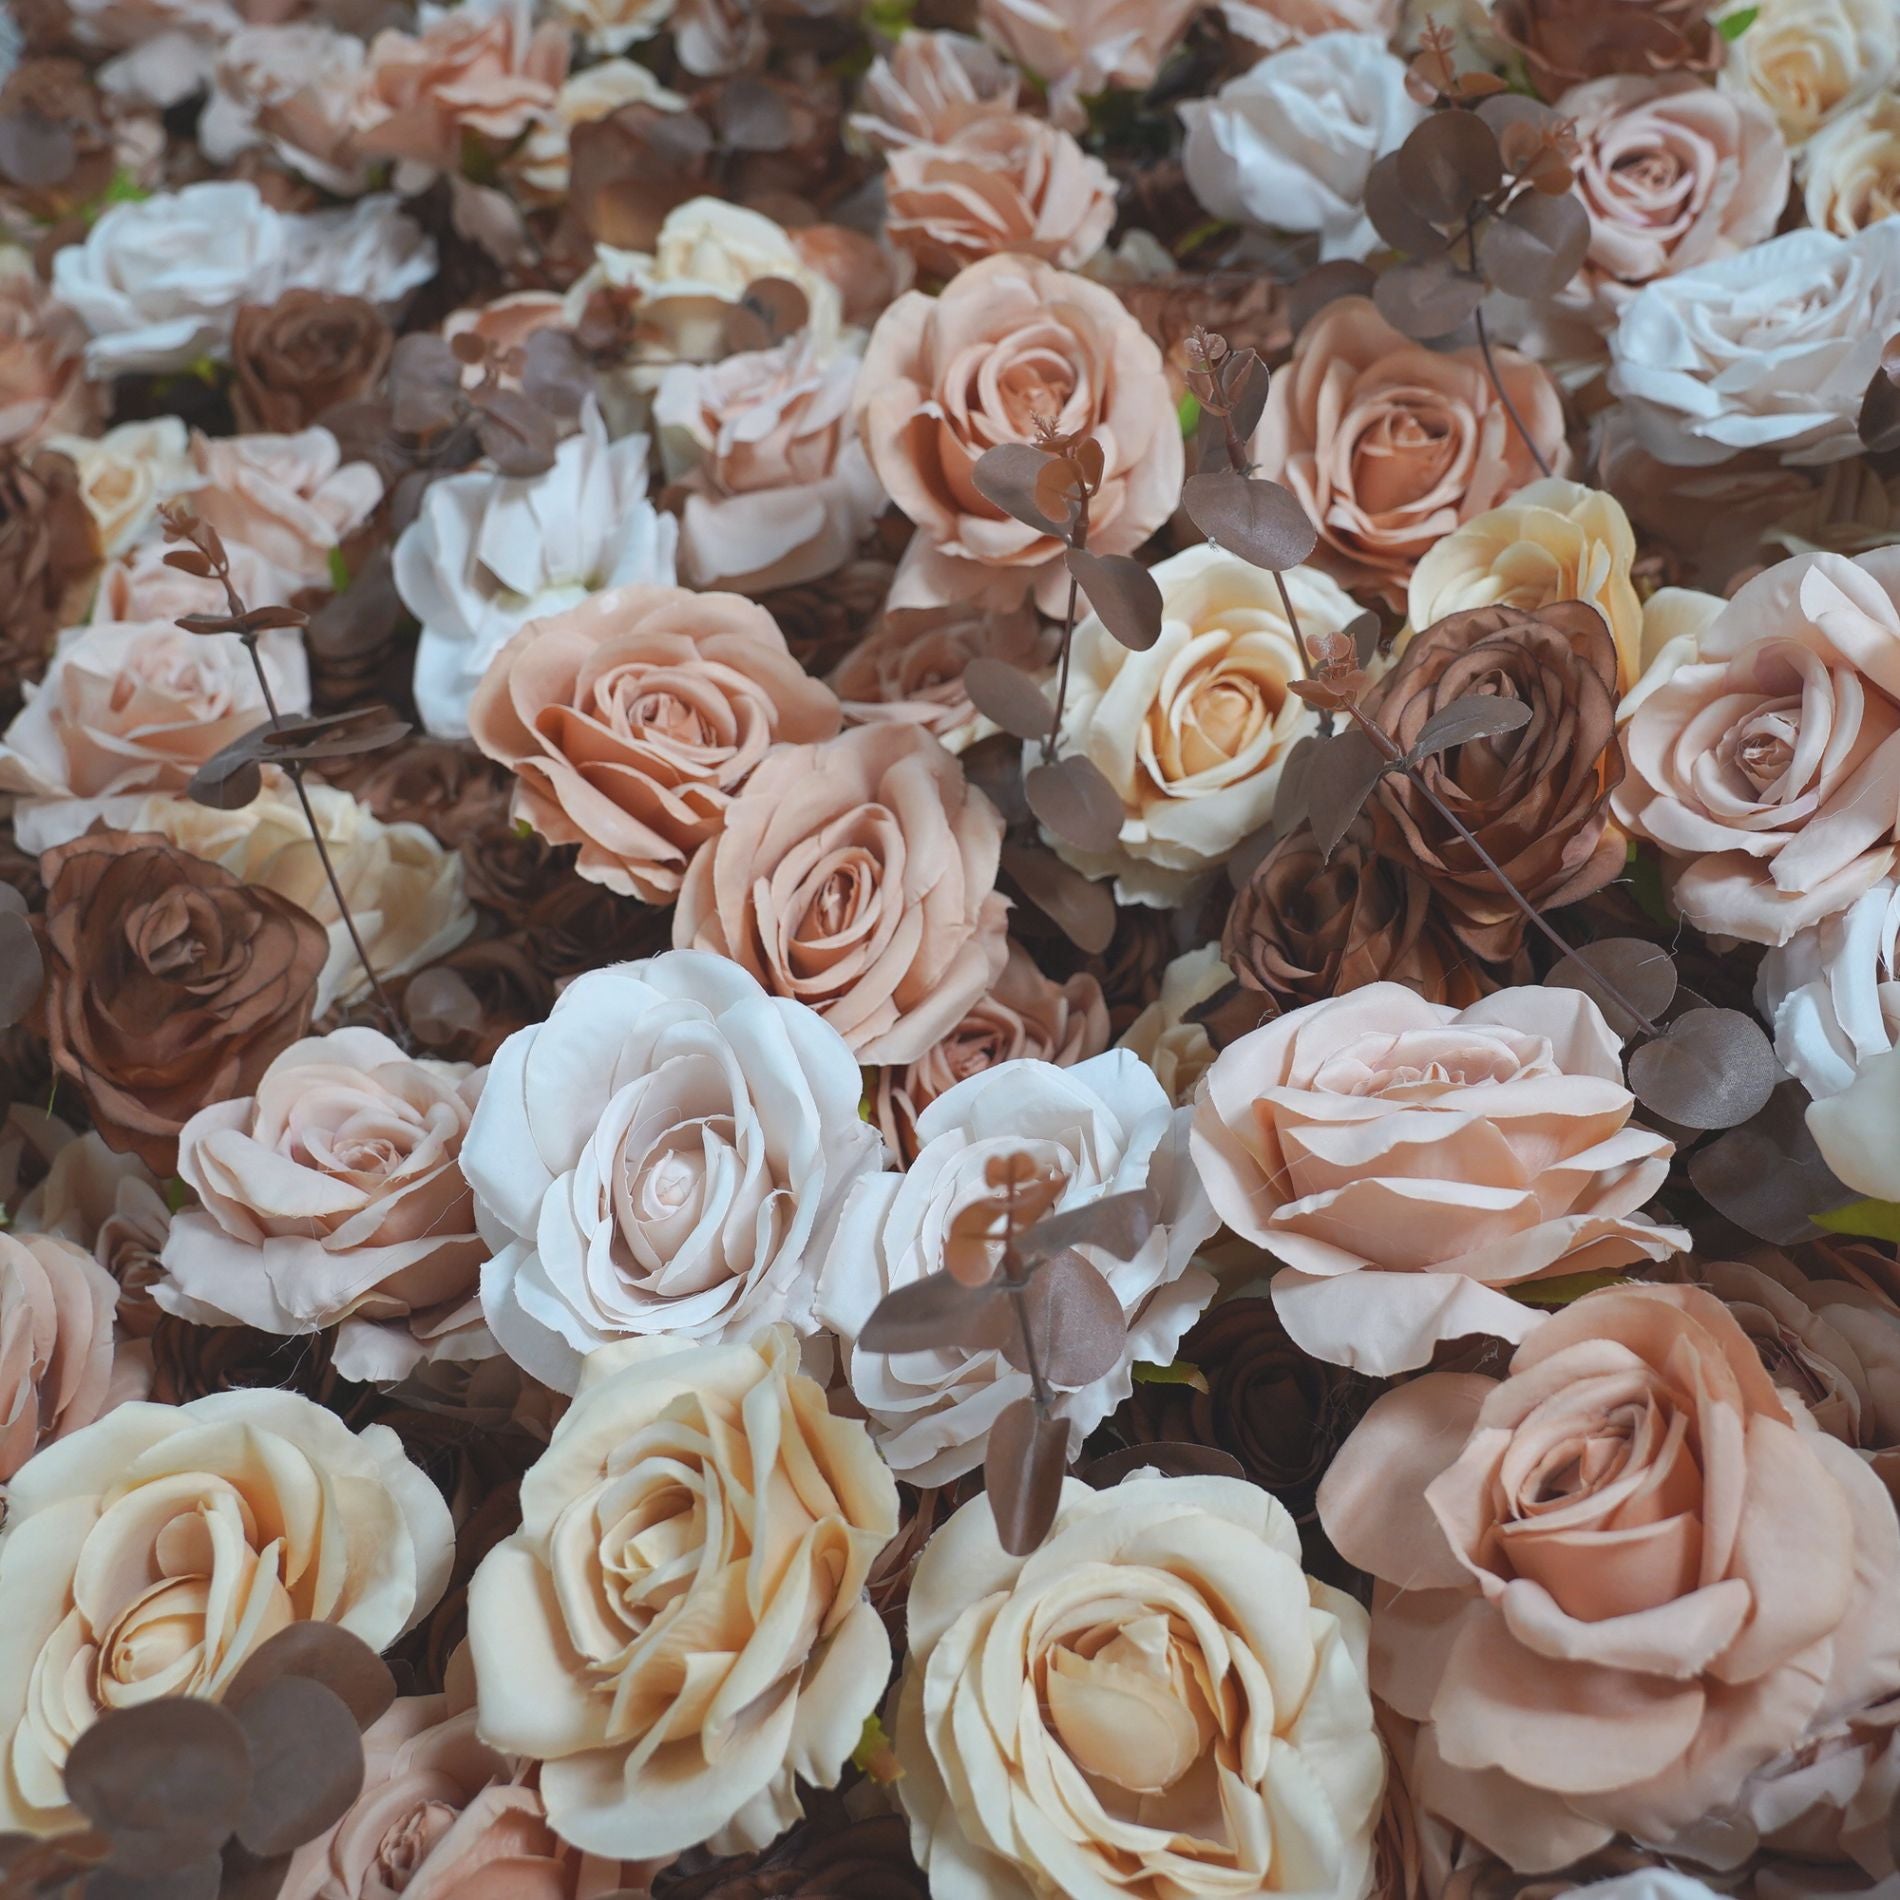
[[1189, 410], [339, 571], [1644, 871], [523, 830], [1732, 26], [1563, 1288], [1179, 1373], [176, 1193], [1877, 1220], [874, 1755], [888, 17], [123, 189]]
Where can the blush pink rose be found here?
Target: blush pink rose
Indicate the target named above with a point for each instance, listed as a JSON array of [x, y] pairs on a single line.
[[43, 387], [1079, 47], [858, 877], [1409, 1164], [1389, 446], [1617, 1583], [929, 85], [1012, 343]]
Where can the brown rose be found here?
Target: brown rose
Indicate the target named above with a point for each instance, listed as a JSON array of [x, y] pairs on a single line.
[[1389, 445], [865, 1859], [1537, 799], [857, 876], [305, 354], [630, 720], [168, 984], [1564, 41], [49, 552]]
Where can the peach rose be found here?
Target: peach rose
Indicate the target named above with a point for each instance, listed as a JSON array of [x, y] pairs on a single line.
[[630, 720], [1004, 182], [1409, 1164], [1617, 1582], [59, 1366], [291, 89], [1389, 446], [929, 85], [43, 387], [1764, 755], [141, 585], [1079, 47], [776, 487], [1011, 343], [1851, 170], [857, 876]]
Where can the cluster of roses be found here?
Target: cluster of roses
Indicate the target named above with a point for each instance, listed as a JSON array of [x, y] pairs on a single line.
[[1109, 1107]]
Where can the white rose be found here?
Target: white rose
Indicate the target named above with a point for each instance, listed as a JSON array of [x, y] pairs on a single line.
[[487, 553], [1288, 143], [1851, 170], [125, 474], [1770, 349], [656, 1157], [370, 249], [1854, 1129], [1832, 991], [1272, 24], [1193, 732], [1103, 1127], [1178, 1051], [1807, 60], [152, 1553]]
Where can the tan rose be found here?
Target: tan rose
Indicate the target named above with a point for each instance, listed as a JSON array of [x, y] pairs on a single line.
[[59, 1367], [125, 474], [929, 85], [857, 876], [630, 721], [1011, 343], [152, 1553], [110, 1205], [1564, 41], [775, 485], [1410, 1163], [1808, 60], [1851, 169], [1004, 182], [704, 1641], [1078, 47], [43, 387], [1389, 446], [1617, 1582]]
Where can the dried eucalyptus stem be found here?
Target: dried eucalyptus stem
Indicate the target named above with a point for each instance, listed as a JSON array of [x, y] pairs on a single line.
[[1491, 370]]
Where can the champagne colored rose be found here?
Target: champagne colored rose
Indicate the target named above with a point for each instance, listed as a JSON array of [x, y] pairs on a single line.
[[705, 1642], [290, 88], [1176, 1048], [154, 1552], [1603, 1536], [611, 26], [43, 389], [125, 474], [630, 721], [929, 85], [1079, 47], [112, 1207], [1851, 170], [1409, 1164], [1809, 60], [1161, 1652]]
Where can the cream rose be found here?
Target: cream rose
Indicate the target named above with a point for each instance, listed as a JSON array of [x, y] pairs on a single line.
[[1079, 47], [126, 473], [1177, 1050], [1850, 172], [332, 1196], [1157, 1703], [679, 1631], [656, 1157], [1409, 1163], [1807, 60], [1193, 732], [1102, 1127], [152, 1553]]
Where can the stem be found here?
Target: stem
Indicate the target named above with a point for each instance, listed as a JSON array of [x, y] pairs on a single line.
[[1080, 539], [1038, 1385], [1491, 370]]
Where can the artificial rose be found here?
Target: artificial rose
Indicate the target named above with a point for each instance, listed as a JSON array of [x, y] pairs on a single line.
[[1157, 1702], [1851, 170], [611, 26], [1079, 47], [110, 1205], [152, 1553], [126, 473], [1409, 1164], [1272, 24], [1288, 143], [630, 720], [1389, 446], [1765, 761], [1012, 343], [290, 88], [1537, 798], [294, 360], [49, 555], [1164, 1035], [1851, 1128], [59, 1367], [141, 586], [1808, 60], [505, 327], [1772, 349], [43, 389], [857, 876], [1603, 1537], [1102, 1127], [656, 1158], [331, 1196], [775, 484], [705, 1640], [1192, 732], [926, 86], [835, 1857], [1003, 182], [487, 553], [168, 984], [1025, 1016], [544, 164], [1673, 174], [1563, 41], [1831, 992]]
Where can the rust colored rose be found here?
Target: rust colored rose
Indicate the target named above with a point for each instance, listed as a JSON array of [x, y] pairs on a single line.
[[169, 984], [1564, 41], [857, 876], [630, 720], [294, 360], [49, 551], [1537, 799]]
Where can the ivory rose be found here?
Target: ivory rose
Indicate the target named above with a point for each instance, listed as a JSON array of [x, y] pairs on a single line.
[[679, 1632], [1078, 47], [43, 389], [1192, 732], [1615, 1582], [59, 1366], [1765, 763], [1409, 1164], [331, 1196], [857, 876], [656, 1157], [1157, 1702], [1851, 171], [290, 88], [1853, 1128], [1831, 992], [1011, 343], [1176, 1048], [126, 473], [629, 721], [1808, 60], [1102, 1127], [152, 1553], [776, 487], [1389, 446]]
